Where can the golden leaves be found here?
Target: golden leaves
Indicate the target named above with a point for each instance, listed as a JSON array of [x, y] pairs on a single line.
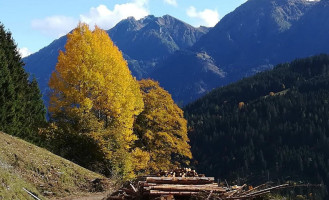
[[161, 127], [92, 78], [94, 93]]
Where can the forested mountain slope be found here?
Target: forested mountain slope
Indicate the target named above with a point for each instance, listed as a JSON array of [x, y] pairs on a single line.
[[273, 125], [254, 37]]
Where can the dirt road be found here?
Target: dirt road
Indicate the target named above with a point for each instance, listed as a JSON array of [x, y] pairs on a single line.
[[93, 196]]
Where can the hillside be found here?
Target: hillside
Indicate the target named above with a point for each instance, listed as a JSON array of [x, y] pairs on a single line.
[[188, 75], [23, 165], [272, 126]]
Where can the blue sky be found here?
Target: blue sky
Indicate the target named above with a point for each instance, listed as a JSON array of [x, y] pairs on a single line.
[[36, 23]]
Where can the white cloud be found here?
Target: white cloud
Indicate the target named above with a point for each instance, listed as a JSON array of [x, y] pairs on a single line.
[[106, 18], [55, 26], [207, 17], [24, 52], [171, 2]]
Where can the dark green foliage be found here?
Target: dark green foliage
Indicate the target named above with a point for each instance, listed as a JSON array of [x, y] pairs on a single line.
[[74, 146], [21, 107], [279, 132]]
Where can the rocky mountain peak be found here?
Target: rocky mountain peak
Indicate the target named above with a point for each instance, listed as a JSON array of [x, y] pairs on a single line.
[[154, 37]]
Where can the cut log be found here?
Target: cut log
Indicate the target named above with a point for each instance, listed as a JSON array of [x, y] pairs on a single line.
[[115, 198], [180, 180], [144, 184], [189, 188], [175, 193]]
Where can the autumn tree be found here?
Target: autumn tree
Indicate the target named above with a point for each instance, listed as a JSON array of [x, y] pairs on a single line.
[[161, 129], [95, 95], [241, 105], [21, 107]]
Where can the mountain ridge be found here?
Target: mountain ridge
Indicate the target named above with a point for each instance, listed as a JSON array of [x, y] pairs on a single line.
[[151, 39], [252, 38], [189, 62], [169, 34]]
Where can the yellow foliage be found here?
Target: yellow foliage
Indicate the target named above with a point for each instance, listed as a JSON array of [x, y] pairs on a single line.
[[93, 89], [241, 105], [161, 128], [141, 159]]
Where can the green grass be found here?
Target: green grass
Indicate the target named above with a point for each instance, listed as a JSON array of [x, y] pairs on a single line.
[[23, 165], [11, 186]]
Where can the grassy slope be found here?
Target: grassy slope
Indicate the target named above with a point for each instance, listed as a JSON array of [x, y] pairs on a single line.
[[23, 165]]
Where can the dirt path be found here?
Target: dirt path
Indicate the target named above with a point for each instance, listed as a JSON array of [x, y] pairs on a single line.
[[93, 196]]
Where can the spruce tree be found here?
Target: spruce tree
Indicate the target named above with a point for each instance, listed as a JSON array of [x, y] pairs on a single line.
[[21, 107]]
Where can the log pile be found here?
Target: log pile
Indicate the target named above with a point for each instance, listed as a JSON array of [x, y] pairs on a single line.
[[166, 185], [180, 172], [178, 186]]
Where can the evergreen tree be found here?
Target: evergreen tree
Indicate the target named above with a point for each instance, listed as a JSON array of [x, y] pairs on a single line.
[[34, 110], [21, 107], [281, 129]]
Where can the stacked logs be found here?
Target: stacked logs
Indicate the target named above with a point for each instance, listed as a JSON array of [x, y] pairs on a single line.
[[178, 186], [180, 172], [187, 183], [177, 182]]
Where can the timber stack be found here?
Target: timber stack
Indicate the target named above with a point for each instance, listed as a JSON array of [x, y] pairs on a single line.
[[185, 184]]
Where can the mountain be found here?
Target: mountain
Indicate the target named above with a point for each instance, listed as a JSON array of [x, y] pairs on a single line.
[[42, 63], [247, 35], [309, 35], [25, 166], [143, 42], [146, 41], [189, 62], [154, 37], [254, 37], [268, 127], [187, 75]]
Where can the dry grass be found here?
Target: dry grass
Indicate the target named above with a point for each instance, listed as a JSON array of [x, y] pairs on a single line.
[[23, 165]]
